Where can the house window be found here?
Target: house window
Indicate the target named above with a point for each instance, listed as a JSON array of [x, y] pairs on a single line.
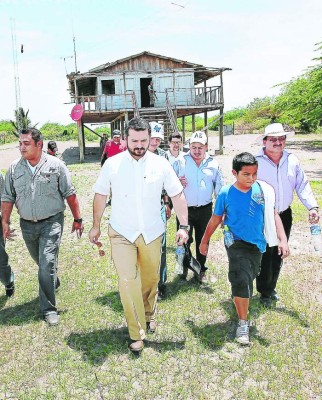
[[108, 87]]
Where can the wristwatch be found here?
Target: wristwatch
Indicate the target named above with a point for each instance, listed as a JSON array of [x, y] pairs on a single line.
[[185, 227], [78, 220]]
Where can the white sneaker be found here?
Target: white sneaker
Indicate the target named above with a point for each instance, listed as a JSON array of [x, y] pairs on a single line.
[[242, 332]]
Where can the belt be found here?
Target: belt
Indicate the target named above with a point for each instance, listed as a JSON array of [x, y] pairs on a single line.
[[199, 207], [281, 212], [36, 220]]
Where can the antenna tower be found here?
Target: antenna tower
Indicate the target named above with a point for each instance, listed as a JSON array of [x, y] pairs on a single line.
[[16, 73]]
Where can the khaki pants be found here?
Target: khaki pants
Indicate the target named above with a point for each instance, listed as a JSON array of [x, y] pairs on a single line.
[[137, 265]]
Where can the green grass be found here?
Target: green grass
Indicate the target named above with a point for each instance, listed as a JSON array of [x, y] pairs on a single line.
[[192, 355]]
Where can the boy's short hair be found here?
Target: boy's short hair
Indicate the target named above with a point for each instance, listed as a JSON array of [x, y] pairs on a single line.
[[243, 159]]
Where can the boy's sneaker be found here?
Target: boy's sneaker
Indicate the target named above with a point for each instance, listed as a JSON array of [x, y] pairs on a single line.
[[10, 288], [52, 318], [242, 332]]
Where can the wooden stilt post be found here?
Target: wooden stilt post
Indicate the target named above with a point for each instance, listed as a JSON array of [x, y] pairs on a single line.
[[183, 129], [221, 121], [205, 121], [81, 146], [193, 122]]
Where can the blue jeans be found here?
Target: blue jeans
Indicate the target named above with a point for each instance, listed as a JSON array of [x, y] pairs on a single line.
[[43, 239], [163, 262], [5, 269]]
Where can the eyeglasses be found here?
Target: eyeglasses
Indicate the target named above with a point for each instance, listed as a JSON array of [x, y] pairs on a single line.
[[175, 143], [275, 139]]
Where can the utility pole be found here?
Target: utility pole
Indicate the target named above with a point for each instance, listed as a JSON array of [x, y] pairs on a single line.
[[76, 70], [16, 73]]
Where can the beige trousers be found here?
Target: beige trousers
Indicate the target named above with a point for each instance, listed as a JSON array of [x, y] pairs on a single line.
[[137, 265]]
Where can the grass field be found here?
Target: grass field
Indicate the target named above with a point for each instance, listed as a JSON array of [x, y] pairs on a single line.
[[191, 356]]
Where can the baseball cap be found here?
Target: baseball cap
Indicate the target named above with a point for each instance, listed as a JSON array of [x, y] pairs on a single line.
[[116, 132], [157, 130], [198, 137], [52, 145]]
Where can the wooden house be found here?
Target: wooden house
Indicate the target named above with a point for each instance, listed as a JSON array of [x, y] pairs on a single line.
[[117, 91]]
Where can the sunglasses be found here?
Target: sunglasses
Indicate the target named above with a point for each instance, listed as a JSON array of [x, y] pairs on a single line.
[[275, 139]]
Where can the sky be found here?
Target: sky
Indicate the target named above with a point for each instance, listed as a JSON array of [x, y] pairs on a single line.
[[264, 42]]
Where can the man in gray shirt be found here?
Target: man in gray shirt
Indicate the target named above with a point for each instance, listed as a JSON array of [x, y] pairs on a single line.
[[38, 184], [6, 274]]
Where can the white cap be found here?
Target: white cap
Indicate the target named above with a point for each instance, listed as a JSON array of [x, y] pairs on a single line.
[[157, 130], [198, 137]]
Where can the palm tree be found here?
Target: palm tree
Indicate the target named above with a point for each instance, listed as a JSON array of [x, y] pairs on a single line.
[[22, 121]]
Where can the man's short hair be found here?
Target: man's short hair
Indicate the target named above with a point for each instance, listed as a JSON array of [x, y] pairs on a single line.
[[35, 134], [138, 124], [52, 145], [175, 136], [243, 159]]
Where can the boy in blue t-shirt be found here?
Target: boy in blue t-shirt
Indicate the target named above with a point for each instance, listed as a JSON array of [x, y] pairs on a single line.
[[245, 206]]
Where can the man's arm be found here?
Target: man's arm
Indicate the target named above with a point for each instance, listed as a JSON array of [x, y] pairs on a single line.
[[212, 225], [181, 209], [99, 205], [6, 210], [283, 248], [73, 203]]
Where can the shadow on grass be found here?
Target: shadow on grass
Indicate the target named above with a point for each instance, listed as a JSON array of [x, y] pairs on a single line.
[[256, 309], [21, 314], [179, 286], [71, 155], [98, 345], [215, 336], [113, 300], [3, 301]]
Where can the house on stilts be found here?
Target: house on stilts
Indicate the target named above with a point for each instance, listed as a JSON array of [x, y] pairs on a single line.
[[117, 91]]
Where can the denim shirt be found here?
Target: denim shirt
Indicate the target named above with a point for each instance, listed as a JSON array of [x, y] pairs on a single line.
[[40, 195]]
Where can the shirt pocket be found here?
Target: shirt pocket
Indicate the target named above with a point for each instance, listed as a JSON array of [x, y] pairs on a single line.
[[20, 186], [152, 185], [47, 184]]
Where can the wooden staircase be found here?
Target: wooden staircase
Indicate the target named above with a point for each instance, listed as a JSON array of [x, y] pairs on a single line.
[[158, 115]]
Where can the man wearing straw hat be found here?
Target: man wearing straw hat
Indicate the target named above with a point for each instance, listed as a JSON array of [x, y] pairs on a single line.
[[282, 170]]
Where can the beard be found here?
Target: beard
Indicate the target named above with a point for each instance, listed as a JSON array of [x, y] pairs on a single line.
[[137, 151]]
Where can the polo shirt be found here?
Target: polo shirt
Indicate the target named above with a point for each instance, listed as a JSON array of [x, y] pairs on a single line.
[[111, 148], [137, 187]]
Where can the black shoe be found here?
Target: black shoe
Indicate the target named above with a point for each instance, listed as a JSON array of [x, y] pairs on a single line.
[[57, 284], [265, 301], [10, 288], [275, 296], [162, 292], [184, 275]]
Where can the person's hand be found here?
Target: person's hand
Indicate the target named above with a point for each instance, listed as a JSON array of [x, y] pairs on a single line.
[[183, 181], [182, 237], [314, 216], [78, 227], [168, 211], [8, 234], [203, 248], [283, 249], [94, 234]]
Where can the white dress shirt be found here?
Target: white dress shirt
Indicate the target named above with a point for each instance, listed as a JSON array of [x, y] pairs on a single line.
[[136, 188]]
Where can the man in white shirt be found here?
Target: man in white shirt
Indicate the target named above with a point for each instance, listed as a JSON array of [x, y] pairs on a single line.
[[175, 145], [136, 177], [201, 178]]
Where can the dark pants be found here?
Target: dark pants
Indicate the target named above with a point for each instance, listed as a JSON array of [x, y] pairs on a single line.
[[5, 269], [163, 261], [272, 262], [244, 264], [43, 239], [198, 218]]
